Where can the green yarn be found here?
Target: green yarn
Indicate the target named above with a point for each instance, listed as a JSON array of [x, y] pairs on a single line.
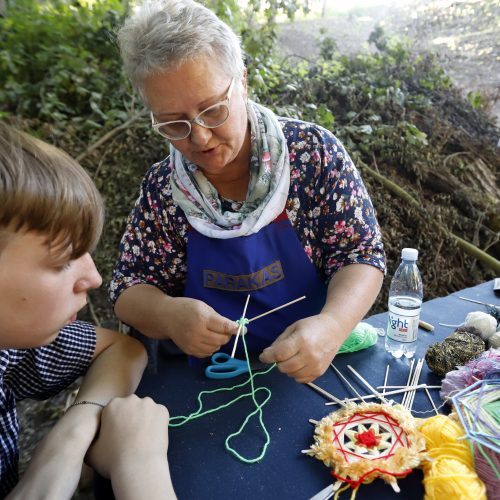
[[493, 409], [242, 321], [363, 336], [180, 420]]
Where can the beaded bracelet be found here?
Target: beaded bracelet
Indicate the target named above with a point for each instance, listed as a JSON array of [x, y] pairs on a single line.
[[85, 403]]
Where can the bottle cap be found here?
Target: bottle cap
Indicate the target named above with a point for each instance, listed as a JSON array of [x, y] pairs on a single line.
[[409, 254]]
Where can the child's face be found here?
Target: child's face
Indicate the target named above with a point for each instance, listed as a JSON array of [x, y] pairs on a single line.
[[40, 293]]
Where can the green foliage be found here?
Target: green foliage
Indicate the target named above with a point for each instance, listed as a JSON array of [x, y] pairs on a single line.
[[327, 46], [256, 23], [476, 99], [60, 71], [58, 63]]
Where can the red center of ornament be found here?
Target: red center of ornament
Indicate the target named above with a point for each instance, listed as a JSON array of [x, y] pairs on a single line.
[[368, 439]]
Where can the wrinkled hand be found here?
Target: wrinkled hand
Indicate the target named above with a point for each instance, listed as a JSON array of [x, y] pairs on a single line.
[[305, 349], [196, 328], [132, 430]]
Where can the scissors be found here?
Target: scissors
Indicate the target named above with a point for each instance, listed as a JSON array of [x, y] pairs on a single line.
[[224, 366]]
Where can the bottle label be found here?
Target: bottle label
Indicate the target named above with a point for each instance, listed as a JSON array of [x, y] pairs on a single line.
[[402, 324]]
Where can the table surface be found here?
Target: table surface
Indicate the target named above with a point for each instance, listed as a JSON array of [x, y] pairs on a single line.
[[200, 466]]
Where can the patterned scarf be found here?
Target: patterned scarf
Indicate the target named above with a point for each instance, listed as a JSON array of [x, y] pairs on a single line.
[[267, 189]]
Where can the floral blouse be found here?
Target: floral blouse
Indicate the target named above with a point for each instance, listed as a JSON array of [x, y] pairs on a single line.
[[328, 206]]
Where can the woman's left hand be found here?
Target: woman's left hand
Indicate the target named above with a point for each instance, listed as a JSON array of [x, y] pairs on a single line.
[[306, 348]]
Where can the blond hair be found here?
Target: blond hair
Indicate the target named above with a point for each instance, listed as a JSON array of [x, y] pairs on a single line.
[[43, 189]]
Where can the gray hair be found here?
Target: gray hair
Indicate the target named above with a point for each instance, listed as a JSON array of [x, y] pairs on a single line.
[[163, 34]]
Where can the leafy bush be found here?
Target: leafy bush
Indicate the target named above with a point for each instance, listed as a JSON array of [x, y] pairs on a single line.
[[59, 64], [396, 112]]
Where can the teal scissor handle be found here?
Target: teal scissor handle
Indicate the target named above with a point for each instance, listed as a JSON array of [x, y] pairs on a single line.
[[224, 366]]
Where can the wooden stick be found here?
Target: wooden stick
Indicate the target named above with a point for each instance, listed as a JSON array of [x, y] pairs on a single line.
[[325, 493], [385, 379], [373, 390], [411, 395], [426, 326], [405, 397], [331, 397], [110, 134], [401, 386], [431, 400], [240, 328], [420, 364], [346, 381], [276, 308], [388, 393], [478, 302]]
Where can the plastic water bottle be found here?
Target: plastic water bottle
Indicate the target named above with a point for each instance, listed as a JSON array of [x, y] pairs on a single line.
[[405, 301]]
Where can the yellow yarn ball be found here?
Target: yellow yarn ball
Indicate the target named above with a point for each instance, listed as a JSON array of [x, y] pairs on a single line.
[[440, 430], [450, 478], [450, 471]]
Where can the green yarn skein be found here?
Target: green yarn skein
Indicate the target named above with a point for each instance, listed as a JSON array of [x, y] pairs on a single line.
[[363, 336]]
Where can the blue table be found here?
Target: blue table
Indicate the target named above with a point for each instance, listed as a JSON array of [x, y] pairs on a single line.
[[202, 469]]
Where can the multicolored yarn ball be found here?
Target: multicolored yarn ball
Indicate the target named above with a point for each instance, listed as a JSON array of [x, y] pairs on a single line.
[[461, 346], [450, 473], [478, 408], [485, 366]]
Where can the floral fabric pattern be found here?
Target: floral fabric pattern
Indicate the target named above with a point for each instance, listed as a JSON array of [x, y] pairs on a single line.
[[268, 187], [328, 207]]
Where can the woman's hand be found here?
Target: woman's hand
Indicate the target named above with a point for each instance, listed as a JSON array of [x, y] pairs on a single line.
[[196, 328], [193, 325], [305, 349]]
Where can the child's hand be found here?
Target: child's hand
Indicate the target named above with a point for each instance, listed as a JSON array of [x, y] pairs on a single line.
[[131, 448], [132, 429], [55, 468]]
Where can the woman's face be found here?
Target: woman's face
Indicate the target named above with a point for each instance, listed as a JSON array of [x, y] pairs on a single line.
[[182, 93]]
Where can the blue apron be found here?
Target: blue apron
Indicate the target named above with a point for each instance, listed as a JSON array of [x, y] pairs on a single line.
[[270, 265]]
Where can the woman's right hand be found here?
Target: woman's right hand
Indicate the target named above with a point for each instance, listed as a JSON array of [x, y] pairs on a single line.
[[195, 327]]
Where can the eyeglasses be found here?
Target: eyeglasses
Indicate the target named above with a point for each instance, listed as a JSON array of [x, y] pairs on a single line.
[[212, 117]]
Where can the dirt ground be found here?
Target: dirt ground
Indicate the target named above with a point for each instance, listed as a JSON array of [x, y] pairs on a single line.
[[464, 34]]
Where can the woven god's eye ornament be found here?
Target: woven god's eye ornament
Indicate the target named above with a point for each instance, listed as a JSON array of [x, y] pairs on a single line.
[[362, 442]]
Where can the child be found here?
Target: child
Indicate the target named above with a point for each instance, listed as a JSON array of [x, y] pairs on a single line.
[[51, 217]]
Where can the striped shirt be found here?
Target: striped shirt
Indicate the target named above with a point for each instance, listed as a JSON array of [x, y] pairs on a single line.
[[37, 373]]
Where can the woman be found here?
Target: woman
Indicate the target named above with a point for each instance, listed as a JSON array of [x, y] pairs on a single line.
[[246, 203]]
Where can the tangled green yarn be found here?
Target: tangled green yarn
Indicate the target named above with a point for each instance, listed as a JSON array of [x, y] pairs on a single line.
[[363, 336], [179, 420]]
